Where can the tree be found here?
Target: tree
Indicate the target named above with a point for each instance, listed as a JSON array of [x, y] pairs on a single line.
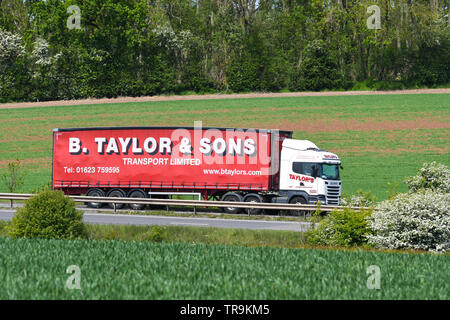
[[13, 15], [14, 176], [319, 69], [123, 49]]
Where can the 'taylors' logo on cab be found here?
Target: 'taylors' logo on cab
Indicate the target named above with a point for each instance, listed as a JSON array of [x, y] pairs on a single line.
[[301, 178], [330, 156]]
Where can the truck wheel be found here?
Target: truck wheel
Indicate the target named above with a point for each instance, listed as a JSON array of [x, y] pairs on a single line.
[[137, 193], [235, 198], [298, 200], [254, 199], [95, 193], [116, 193]]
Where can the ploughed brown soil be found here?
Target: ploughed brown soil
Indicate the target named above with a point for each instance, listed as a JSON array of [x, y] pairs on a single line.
[[213, 96]]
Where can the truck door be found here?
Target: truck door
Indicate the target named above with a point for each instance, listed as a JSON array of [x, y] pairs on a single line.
[[303, 175], [297, 175]]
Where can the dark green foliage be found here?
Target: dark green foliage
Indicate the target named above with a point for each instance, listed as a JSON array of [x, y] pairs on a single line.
[[319, 70], [137, 48], [344, 228], [243, 75], [49, 215], [430, 62]]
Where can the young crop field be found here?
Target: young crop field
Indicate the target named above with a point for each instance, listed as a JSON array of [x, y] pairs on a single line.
[[109, 269], [380, 139]]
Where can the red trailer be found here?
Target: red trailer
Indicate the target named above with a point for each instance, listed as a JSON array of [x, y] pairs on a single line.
[[220, 163]]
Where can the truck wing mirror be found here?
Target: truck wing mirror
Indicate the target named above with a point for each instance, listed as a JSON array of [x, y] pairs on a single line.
[[342, 168]]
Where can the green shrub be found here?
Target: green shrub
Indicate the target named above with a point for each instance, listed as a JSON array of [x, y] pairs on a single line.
[[3, 228], [48, 215], [341, 228], [155, 234]]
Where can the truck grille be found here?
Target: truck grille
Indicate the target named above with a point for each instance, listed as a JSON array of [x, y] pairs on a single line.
[[333, 194]]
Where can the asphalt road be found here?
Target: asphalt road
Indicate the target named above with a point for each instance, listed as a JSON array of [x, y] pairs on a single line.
[[93, 217]]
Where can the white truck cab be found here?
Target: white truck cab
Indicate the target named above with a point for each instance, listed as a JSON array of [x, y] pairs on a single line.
[[309, 173]]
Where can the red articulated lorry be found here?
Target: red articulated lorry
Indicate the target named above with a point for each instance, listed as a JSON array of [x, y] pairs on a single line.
[[228, 164]]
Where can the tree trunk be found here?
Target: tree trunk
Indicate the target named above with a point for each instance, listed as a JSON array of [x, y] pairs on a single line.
[[398, 8]]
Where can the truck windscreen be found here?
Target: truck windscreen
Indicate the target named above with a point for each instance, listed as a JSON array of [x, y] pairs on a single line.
[[330, 171], [322, 170]]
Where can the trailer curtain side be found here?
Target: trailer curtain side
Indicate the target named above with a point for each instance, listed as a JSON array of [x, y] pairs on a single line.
[[167, 158]]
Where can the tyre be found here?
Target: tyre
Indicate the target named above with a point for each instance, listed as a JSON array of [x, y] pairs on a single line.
[[95, 193], [116, 193], [298, 200], [254, 199], [137, 193], [235, 198]]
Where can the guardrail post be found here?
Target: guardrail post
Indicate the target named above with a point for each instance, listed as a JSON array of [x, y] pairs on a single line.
[[12, 203], [114, 207]]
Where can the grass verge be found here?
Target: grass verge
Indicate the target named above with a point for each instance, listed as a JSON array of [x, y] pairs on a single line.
[[194, 235]]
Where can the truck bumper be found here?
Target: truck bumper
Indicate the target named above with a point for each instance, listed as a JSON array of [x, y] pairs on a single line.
[[315, 199]]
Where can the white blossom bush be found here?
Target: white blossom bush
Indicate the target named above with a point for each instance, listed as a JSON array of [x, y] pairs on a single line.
[[11, 50], [361, 199], [11, 47], [166, 37], [419, 220], [180, 44], [433, 176], [44, 61], [41, 52]]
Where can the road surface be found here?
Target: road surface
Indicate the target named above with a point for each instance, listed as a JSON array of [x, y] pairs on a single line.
[[93, 217]]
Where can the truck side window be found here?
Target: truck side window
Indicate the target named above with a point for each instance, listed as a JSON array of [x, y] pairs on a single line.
[[308, 169], [297, 167]]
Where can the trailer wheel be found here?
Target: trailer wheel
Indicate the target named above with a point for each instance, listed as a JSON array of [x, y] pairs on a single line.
[[137, 193], [95, 193], [235, 197], [254, 198], [116, 193], [298, 200]]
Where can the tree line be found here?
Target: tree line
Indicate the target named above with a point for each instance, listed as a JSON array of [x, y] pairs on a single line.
[[106, 48]]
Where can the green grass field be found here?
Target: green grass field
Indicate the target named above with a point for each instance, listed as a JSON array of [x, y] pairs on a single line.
[[36, 269], [380, 138]]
